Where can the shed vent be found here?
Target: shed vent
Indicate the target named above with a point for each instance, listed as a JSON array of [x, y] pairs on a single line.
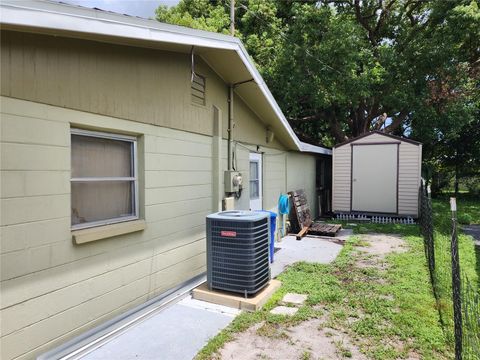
[[198, 89], [237, 251]]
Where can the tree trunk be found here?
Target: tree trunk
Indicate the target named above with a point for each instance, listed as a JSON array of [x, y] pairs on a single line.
[[456, 180]]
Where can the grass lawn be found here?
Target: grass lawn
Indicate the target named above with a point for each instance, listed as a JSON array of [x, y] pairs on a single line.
[[387, 312], [468, 208]]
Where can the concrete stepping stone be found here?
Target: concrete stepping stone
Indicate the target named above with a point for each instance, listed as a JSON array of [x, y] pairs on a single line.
[[294, 299], [284, 310]]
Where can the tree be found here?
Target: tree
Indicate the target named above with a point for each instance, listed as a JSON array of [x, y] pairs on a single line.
[[340, 68]]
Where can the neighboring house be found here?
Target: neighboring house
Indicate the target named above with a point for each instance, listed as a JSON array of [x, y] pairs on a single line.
[[113, 151], [377, 174]]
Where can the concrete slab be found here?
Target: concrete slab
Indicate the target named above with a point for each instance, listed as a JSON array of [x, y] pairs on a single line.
[[309, 249], [175, 333], [294, 299], [284, 310], [236, 301], [474, 231], [198, 304]]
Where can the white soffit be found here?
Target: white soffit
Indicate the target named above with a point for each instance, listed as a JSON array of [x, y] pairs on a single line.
[[305, 147]]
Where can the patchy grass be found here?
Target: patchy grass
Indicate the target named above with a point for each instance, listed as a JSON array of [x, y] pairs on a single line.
[[388, 313], [306, 355], [468, 207], [342, 349]]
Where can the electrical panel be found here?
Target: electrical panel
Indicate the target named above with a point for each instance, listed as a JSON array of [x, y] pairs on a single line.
[[233, 181]]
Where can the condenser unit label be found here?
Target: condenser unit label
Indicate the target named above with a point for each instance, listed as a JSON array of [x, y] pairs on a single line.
[[228, 233]]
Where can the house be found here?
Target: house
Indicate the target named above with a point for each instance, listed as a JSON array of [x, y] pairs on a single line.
[[116, 135], [377, 174]]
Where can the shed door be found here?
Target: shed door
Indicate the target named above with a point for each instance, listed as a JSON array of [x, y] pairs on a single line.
[[374, 178], [255, 181]]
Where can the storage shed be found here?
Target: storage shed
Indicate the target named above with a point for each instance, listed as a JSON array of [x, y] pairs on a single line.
[[377, 173]]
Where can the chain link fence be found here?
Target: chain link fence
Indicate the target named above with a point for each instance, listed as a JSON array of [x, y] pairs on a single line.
[[458, 298]]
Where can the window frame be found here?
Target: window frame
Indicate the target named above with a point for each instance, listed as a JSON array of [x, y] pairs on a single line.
[[257, 180], [133, 179]]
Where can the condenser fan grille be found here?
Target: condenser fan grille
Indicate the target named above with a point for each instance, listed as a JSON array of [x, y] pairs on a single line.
[[237, 252]]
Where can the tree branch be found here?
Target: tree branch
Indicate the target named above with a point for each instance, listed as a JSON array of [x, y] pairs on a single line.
[[305, 119], [336, 130], [380, 121], [383, 16], [361, 20], [397, 121], [348, 2]]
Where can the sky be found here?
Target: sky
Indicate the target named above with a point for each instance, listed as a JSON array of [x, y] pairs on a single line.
[[142, 8]]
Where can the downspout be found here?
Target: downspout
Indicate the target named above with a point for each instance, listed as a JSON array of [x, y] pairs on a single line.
[[230, 92], [230, 126]]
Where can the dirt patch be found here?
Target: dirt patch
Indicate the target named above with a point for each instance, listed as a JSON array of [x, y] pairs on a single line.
[[308, 337], [380, 245]]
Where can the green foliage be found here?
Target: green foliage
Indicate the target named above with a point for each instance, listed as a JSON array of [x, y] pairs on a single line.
[[472, 184], [469, 263], [466, 204], [198, 14], [465, 219]]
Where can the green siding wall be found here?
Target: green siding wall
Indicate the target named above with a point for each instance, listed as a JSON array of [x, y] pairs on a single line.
[[52, 290]]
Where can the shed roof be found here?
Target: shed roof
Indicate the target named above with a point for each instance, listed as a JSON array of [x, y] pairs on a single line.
[[225, 54], [379, 133]]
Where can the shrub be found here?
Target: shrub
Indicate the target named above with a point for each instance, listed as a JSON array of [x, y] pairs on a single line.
[[472, 184], [465, 219]]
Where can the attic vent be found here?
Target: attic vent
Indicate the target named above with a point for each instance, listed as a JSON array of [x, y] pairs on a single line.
[[198, 89]]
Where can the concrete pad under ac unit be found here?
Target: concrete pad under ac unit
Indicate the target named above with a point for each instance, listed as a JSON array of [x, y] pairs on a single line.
[[236, 301]]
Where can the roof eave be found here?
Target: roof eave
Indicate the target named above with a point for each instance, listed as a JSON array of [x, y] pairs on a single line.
[[380, 133], [305, 147], [94, 22]]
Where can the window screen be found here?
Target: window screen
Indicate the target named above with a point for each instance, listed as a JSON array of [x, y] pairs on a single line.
[[104, 181], [254, 180]]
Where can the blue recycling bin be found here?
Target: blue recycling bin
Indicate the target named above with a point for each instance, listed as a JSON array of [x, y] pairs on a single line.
[[273, 226]]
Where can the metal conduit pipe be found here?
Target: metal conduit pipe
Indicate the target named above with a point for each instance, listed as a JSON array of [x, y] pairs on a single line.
[[230, 126]]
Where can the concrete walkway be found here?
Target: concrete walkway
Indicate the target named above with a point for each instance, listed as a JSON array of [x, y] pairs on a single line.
[[474, 231], [308, 249], [179, 331], [175, 333]]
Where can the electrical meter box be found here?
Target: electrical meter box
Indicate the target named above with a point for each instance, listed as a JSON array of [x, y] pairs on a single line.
[[233, 181]]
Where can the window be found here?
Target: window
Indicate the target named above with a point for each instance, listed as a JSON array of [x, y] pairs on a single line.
[[254, 180], [104, 185], [198, 89]]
